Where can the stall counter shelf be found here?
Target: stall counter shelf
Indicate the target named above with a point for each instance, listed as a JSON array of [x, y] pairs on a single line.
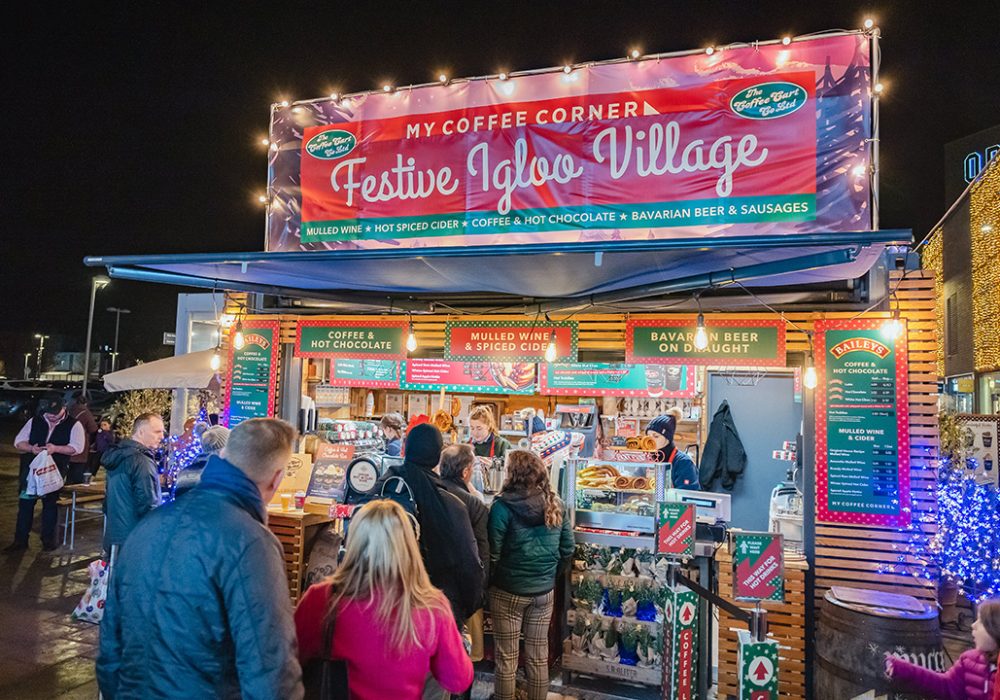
[[293, 528]]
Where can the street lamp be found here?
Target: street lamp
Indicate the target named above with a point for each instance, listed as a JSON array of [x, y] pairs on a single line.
[[118, 317], [98, 282], [41, 348]]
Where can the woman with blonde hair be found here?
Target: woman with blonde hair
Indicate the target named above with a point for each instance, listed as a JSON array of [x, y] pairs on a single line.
[[530, 537], [486, 441], [393, 627]]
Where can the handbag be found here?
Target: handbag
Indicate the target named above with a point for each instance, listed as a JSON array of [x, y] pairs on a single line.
[[44, 476], [326, 678]]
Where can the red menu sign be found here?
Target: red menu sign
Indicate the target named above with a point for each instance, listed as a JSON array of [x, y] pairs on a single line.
[[512, 341]]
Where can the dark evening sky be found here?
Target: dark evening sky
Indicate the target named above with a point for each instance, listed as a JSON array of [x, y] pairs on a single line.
[[133, 127]]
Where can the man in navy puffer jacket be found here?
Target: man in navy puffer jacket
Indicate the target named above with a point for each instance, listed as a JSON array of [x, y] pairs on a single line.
[[199, 604]]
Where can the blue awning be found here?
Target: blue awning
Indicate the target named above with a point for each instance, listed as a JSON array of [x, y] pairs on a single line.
[[620, 270]]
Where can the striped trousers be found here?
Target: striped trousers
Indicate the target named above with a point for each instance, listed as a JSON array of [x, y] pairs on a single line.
[[512, 613]]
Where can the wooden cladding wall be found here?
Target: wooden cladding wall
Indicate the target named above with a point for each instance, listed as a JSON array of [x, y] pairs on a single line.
[[845, 555]]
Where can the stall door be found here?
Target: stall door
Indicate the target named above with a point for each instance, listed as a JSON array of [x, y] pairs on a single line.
[[766, 416]]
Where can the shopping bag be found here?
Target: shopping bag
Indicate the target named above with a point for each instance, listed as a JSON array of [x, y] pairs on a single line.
[[91, 606], [44, 476]]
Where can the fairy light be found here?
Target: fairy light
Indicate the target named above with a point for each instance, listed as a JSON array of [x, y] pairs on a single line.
[[443, 79], [387, 88], [879, 88], [411, 338], [502, 76], [931, 258], [786, 40], [869, 23], [984, 225], [567, 69], [262, 199], [634, 54], [859, 171], [239, 340], [334, 96], [265, 142], [710, 50]]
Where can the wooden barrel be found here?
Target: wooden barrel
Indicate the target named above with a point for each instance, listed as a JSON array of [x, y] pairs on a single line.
[[858, 627]]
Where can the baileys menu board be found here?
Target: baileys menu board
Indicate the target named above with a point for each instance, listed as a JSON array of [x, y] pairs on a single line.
[[253, 373]]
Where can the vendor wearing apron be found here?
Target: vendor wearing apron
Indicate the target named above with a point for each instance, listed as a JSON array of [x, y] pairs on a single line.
[[684, 474], [486, 442]]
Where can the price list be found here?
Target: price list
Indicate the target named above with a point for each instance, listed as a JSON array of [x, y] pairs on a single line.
[[253, 373]]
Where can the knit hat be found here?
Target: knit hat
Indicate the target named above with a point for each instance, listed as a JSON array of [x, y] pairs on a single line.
[[666, 425], [423, 446], [537, 425]]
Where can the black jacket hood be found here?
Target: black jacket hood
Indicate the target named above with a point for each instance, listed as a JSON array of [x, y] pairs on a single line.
[[529, 507]]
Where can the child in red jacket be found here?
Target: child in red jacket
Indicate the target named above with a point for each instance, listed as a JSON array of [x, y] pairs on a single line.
[[973, 675]]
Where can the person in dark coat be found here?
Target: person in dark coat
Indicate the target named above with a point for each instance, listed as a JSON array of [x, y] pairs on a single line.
[[133, 487], [213, 439], [724, 457], [198, 605], [79, 464], [447, 540], [457, 462], [683, 472], [54, 431]]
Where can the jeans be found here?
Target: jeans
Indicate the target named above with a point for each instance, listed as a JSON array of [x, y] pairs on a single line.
[[510, 614], [26, 517]]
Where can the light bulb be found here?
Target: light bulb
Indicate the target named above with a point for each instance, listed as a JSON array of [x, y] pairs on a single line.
[[809, 378], [502, 76], [411, 340], [567, 69], [859, 171], [238, 339], [334, 96], [550, 352], [635, 53], [265, 142], [387, 88], [893, 328], [443, 78], [785, 41], [216, 361], [710, 50], [701, 335], [869, 23], [879, 87]]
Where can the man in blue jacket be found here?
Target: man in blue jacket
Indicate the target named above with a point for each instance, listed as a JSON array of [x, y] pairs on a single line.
[[198, 605]]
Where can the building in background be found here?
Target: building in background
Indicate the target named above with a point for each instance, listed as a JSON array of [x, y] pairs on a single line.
[[964, 251]]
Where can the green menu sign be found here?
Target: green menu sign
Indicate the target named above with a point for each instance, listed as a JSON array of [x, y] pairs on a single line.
[[616, 379], [754, 342], [376, 374], [252, 373], [758, 566], [862, 422], [362, 340]]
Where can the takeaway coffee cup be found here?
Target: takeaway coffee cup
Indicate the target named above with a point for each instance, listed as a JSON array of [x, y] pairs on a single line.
[[987, 439], [654, 380], [87, 476], [673, 380]]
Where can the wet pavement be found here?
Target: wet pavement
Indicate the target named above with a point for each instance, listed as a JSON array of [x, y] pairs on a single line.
[[44, 653]]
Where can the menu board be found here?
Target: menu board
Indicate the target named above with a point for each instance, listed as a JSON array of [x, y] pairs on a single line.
[[616, 379], [330, 470], [979, 434], [375, 374], [862, 419], [469, 377], [363, 340], [751, 342], [512, 341], [252, 373]]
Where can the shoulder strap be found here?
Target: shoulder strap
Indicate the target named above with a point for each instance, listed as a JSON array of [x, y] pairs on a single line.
[[329, 628]]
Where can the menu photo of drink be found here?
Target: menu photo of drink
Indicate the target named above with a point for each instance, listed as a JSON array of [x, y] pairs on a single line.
[[617, 379], [979, 433]]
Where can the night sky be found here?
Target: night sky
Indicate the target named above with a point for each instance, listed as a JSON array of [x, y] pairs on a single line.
[[134, 127]]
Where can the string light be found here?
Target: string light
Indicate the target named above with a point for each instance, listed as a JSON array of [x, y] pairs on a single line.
[[262, 199], [502, 76], [387, 88], [334, 96], [550, 351], [859, 171], [984, 223], [701, 334], [411, 339], [284, 103], [879, 88], [893, 328], [239, 341], [809, 378], [216, 362], [567, 69], [869, 23], [443, 79], [265, 142], [710, 50], [785, 41], [634, 54]]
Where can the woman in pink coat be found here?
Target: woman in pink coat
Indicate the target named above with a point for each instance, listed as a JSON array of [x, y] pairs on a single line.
[[973, 675]]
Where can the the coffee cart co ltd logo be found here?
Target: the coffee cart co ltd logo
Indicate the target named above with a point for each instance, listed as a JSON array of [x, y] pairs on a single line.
[[768, 100], [860, 345], [331, 145]]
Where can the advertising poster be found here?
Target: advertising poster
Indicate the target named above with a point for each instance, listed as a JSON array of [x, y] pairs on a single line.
[[757, 343], [361, 340], [372, 374], [675, 147], [758, 566], [329, 471], [862, 422], [758, 664], [616, 379], [511, 341], [680, 636], [675, 529], [980, 435], [252, 373], [469, 377]]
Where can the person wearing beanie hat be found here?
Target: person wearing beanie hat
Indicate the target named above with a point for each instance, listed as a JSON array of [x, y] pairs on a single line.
[[213, 439], [683, 473], [447, 540]]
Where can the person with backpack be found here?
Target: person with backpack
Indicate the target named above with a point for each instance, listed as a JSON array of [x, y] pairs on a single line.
[[447, 540], [389, 624], [530, 538]]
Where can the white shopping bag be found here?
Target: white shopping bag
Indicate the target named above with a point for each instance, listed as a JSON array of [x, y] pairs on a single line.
[[44, 476], [91, 606]]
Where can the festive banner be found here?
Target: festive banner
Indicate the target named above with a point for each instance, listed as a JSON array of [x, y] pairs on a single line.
[[758, 566], [605, 379], [469, 377], [730, 342], [511, 341], [374, 374], [679, 147], [252, 375], [675, 529], [364, 340], [758, 664], [862, 423], [680, 634]]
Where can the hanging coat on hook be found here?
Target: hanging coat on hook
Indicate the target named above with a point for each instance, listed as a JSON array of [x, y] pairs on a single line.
[[724, 457]]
